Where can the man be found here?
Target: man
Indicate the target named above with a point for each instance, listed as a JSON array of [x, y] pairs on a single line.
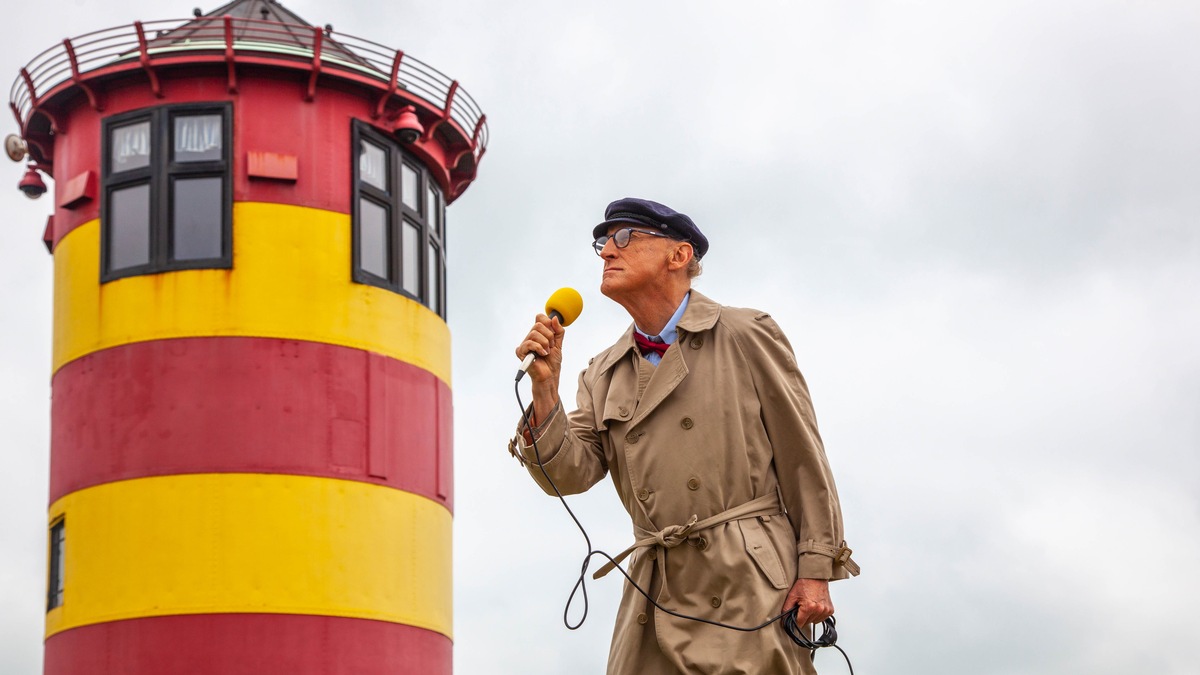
[[703, 419]]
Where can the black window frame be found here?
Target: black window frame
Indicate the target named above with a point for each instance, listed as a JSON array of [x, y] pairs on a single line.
[[55, 586], [398, 213], [160, 175]]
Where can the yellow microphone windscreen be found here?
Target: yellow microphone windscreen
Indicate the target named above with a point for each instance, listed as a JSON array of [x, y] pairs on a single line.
[[567, 303]]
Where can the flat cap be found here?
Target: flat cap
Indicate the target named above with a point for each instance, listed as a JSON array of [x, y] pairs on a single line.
[[655, 216]]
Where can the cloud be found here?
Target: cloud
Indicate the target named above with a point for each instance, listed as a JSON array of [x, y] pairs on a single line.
[[976, 224]]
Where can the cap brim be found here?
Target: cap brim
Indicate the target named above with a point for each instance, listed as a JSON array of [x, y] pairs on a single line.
[[598, 230]]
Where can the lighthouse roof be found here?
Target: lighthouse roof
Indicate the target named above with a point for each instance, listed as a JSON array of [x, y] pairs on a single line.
[[267, 10], [286, 26]]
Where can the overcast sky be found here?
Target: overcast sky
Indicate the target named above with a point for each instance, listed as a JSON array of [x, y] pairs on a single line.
[[977, 222]]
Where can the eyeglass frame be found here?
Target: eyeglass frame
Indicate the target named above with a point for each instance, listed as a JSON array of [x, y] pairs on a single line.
[[602, 241]]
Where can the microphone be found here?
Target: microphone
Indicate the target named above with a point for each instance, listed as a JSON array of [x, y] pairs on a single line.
[[566, 304]]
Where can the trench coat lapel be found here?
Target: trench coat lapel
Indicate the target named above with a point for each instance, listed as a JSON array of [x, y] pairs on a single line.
[[667, 376], [700, 315], [619, 404]]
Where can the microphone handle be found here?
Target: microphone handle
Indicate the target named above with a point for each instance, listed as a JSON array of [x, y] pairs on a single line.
[[528, 360]]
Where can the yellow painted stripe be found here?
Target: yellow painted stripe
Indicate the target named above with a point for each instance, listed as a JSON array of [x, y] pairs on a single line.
[[237, 543], [290, 279]]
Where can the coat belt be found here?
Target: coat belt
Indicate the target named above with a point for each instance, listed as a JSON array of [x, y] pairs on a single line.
[[674, 535]]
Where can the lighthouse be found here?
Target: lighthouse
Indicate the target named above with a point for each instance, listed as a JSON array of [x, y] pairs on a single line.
[[251, 447]]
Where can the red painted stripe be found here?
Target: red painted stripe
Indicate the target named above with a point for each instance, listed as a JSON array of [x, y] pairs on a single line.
[[248, 644], [268, 101], [249, 405], [262, 107]]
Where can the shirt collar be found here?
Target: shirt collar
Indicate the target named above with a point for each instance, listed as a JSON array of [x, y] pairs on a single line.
[[669, 332]]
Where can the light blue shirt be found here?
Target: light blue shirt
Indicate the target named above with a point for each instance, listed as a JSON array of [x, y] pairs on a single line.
[[669, 333]]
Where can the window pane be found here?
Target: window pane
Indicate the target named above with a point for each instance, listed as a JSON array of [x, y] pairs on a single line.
[[129, 227], [372, 166], [412, 259], [130, 147], [373, 241], [434, 270], [433, 209], [408, 187], [57, 564], [196, 218], [198, 138]]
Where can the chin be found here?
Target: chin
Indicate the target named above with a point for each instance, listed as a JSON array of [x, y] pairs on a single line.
[[610, 289]]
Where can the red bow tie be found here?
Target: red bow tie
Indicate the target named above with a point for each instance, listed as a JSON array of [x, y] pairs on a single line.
[[647, 346]]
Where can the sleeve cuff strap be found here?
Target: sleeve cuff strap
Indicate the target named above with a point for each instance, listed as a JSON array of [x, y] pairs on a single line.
[[517, 447], [839, 554]]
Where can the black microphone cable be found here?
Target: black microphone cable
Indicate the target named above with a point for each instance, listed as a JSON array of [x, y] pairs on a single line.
[[790, 621]]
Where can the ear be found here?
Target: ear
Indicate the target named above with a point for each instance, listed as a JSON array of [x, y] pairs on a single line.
[[681, 255]]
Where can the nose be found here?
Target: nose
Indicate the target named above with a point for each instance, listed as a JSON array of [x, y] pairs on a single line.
[[610, 249]]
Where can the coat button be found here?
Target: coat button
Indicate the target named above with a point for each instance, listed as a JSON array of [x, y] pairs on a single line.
[[715, 602], [623, 411], [643, 494], [652, 554], [702, 544], [693, 483], [631, 437], [686, 423], [642, 618], [697, 342]]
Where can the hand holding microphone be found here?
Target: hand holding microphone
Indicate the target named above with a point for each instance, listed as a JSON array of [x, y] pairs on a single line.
[[546, 336]]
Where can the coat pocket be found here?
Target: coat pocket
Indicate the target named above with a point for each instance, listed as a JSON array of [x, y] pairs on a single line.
[[760, 548]]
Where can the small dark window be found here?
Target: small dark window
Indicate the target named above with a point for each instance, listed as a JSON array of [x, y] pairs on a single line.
[[399, 221], [167, 199], [373, 241], [196, 218], [57, 540], [129, 226]]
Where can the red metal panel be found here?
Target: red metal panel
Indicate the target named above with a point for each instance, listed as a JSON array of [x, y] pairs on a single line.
[[248, 644], [379, 410], [445, 446], [258, 405], [271, 165], [78, 191]]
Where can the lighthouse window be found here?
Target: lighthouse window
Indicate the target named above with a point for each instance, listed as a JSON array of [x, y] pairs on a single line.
[[374, 239], [408, 185], [196, 206], [57, 565], [373, 167], [399, 216], [433, 210], [433, 269], [130, 147], [412, 258], [197, 138], [129, 226], [167, 190]]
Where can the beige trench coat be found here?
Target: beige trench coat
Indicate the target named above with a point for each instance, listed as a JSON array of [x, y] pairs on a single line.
[[723, 420]]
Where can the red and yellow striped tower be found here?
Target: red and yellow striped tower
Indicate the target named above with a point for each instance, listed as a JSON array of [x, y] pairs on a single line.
[[251, 443]]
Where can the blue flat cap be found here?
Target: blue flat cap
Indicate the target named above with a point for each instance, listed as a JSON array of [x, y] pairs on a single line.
[[655, 216]]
